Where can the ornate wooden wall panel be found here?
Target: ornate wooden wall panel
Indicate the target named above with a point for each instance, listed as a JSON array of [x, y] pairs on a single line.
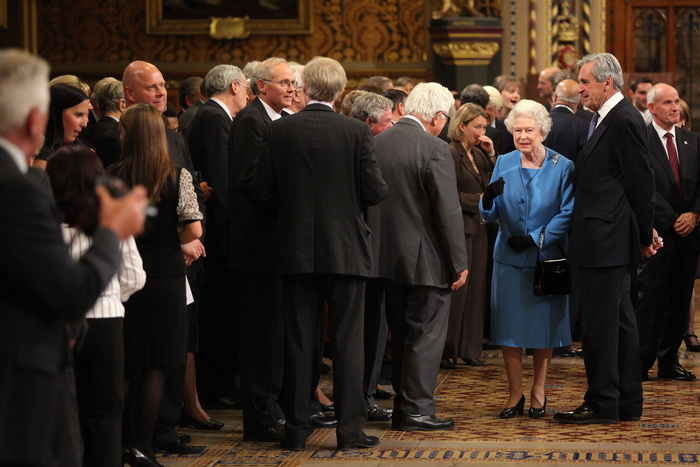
[[94, 39]]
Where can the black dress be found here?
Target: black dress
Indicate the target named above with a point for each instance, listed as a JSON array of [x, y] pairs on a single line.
[[155, 321]]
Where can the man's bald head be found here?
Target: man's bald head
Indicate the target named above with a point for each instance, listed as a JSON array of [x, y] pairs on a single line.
[[567, 94], [544, 81], [144, 84]]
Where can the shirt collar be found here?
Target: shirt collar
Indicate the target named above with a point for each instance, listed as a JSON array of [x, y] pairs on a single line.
[[608, 105], [15, 154], [270, 111], [413, 117], [223, 106], [320, 102], [662, 133]]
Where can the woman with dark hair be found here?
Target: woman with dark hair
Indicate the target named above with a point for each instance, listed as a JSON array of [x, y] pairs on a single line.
[[68, 115], [99, 363], [155, 325]]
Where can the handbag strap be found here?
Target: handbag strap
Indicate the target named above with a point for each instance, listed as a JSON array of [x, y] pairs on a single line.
[[539, 247]]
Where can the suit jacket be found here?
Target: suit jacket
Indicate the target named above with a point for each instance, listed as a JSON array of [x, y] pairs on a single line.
[[506, 144], [614, 192], [41, 288], [470, 184], [251, 235], [526, 206], [321, 185], [419, 225], [568, 133], [184, 120], [98, 130], [208, 143], [668, 205], [587, 115]]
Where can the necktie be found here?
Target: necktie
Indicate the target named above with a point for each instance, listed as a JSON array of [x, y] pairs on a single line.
[[591, 127], [673, 160]]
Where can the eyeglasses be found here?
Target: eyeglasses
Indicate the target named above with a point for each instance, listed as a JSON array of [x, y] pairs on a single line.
[[242, 84], [285, 83], [154, 87], [445, 116]]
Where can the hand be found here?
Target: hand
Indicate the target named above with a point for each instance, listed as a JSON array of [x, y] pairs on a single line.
[[124, 216], [206, 189], [487, 145], [192, 251], [491, 192], [656, 243], [521, 242], [685, 224], [460, 279]]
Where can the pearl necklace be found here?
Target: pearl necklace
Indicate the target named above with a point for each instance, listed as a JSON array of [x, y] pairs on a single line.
[[532, 165]]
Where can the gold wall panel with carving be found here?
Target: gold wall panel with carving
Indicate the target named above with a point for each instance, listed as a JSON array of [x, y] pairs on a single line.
[[94, 39]]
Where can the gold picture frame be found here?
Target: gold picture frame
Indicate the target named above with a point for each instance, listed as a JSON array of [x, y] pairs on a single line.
[[298, 22]]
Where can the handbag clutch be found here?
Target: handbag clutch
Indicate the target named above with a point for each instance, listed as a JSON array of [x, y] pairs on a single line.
[[552, 276]]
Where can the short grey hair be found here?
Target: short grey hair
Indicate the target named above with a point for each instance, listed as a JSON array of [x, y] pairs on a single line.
[[264, 71], [495, 97], [25, 75], [219, 79], [297, 69], [531, 109], [324, 79], [107, 96], [651, 95], [370, 106], [604, 65], [427, 99], [249, 71]]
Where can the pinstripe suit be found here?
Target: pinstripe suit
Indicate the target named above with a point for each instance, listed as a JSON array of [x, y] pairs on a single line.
[[613, 210], [320, 172]]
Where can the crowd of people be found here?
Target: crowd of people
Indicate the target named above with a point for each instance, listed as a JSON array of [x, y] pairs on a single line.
[[162, 265]]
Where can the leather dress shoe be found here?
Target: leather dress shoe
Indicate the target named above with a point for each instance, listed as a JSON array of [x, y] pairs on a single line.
[[179, 447], [446, 364], [184, 437], [136, 458], [676, 372], [364, 441], [475, 362], [383, 395], [327, 408], [266, 434], [187, 421], [322, 420], [403, 421], [582, 416], [290, 446], [377, 413]]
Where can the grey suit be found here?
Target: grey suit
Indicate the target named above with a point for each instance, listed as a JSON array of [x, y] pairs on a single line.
[[420, 248]]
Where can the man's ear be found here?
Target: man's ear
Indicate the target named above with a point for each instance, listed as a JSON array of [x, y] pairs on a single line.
[[122, 105]]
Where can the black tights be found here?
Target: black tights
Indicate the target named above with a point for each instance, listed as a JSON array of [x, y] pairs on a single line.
[[144, 395]]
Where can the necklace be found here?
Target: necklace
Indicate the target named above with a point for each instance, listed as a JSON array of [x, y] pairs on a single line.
[[533, 165]]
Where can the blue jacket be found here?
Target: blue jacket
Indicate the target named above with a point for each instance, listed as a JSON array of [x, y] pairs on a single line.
[[523, 209]]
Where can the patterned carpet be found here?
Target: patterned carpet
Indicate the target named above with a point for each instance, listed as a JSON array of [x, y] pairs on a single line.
[[668, 433]]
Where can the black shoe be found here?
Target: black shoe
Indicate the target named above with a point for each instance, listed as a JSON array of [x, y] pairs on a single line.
[[582, 416], [289, 446], [475, 362], [327, 408], [517, 409], [364, 441], [446, 364], [689, 346], [322, 420], [537, 413], [383, 395], [184, 437], [182, 448], [187, 421], [136, 458], [676, 372], [270, 434], [403, 421], [377, 413]]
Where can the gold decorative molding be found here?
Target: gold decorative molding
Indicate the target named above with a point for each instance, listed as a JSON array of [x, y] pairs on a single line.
[[156, 23], [229, 28], [466, 52]]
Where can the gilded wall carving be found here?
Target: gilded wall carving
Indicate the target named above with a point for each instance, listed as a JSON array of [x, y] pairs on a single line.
[[95, 37]]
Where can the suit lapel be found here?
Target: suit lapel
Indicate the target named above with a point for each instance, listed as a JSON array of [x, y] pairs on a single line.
[[259, 105], [658, 152], [592, 142]]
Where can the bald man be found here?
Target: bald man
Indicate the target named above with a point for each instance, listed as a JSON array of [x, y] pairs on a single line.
[[569, 132], [545, 85]]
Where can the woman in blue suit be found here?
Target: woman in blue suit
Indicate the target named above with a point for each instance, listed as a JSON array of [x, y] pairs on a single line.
[[532, 190]]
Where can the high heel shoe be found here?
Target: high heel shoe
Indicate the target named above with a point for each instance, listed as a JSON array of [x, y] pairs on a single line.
[[537, 413], [187, 420], [136, 458], [517, 409], [690, 347]]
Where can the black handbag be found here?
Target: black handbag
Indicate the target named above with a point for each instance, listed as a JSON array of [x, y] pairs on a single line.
[[552, 276]]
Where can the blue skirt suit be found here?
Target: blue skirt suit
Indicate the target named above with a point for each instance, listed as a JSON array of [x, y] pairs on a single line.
[[532, 198]]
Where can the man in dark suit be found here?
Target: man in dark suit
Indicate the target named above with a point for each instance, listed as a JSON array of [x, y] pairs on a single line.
[[110, 99], [611, 229], [568, 133], [320, 187], [208, 143], [545, 86], [419, 250], [251, 256], [666, 279], [41, 287]]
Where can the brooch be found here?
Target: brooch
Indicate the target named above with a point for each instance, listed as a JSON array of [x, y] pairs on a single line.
[[555, 159]]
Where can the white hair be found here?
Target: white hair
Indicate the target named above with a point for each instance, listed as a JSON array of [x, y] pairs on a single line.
[[220, 78], [25, 75], [427, 99], [531, 109], [495, 97]]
